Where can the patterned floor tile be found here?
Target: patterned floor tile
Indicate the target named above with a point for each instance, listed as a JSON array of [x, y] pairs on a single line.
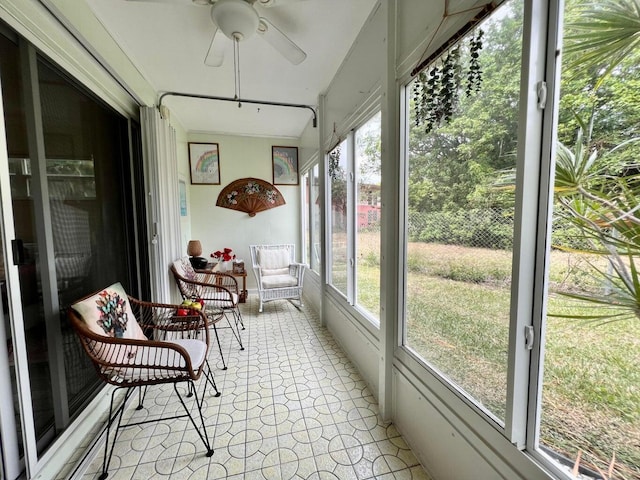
[[292, 407]]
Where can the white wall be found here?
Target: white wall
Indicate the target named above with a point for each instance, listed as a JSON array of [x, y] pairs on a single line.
[[354, 93], [311, 293], [218, 227]]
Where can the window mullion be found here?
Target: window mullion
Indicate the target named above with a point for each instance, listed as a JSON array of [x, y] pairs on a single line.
[[351, 219], [530, 226], [553, 29]]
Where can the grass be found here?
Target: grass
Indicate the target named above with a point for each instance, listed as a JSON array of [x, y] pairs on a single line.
[[458, 313]]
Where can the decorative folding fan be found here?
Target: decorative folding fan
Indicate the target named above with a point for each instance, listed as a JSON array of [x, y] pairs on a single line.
[[250, 195]]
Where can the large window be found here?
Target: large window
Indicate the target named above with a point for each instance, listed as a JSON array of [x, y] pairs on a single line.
[[355, 209], [311, 217], [460, 228], [590, 413], [338, 171], [466, 194], [368, 215], [305, 191], [315, 218]]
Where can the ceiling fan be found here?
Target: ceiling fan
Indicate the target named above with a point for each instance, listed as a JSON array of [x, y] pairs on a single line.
[[238, 20]]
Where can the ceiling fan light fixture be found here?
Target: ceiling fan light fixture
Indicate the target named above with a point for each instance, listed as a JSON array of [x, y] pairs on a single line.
[[236, 18]]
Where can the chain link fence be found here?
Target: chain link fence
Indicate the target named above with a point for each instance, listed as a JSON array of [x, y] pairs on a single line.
[[485, 228], [470, 228]]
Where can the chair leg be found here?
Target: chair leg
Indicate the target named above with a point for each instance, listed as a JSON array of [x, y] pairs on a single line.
[[108, 451], [215, 330], [208, 375], [141, 397], [203, 435], [235, 331], [238, 315]]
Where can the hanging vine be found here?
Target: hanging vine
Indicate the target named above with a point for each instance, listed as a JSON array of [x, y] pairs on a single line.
[[436, 94], [451, 71], [430, 95], [474, 76]]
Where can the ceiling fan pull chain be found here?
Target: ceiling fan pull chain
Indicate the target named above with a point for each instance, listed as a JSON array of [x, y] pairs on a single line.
[[236, 68]]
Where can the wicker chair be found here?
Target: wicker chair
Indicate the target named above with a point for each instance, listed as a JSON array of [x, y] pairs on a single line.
[[277, 273], [133, 343], [218, 300], [230, 283]]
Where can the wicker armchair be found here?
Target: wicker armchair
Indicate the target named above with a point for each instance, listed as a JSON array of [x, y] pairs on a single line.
[[230, 283], [218, 300], [133, 343], [277, 273]]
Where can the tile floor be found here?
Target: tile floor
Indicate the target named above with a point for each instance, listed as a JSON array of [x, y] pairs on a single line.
[[292, 407]]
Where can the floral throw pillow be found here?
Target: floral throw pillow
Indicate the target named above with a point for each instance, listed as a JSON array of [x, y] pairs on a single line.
[[185, 269], [108, 313], [189, 272]]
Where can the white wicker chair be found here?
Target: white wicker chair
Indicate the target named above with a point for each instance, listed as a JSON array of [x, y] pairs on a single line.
[[278, 275]]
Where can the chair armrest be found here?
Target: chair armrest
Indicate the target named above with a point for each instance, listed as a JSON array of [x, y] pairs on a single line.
[[297, 270], [257, 270], [131, 362], [156, 319], [207, 290]]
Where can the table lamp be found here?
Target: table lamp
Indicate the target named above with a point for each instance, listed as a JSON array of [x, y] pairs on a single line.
[[194, 249]]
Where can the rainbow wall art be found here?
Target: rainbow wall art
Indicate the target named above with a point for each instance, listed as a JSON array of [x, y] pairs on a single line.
[[285, 165], [204, 160]]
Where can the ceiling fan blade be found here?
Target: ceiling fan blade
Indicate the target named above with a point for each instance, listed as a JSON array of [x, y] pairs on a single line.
[[280, 42], [196, 3], [276, 3], [215, 54], [169, 2]]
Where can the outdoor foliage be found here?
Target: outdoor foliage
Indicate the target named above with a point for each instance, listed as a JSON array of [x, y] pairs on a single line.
[[597, 184], [591, 397]]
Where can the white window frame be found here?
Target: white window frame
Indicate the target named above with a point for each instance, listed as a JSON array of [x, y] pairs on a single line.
[[538, 109], [352, 223]]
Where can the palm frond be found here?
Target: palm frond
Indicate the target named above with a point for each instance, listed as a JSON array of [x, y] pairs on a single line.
[[604, 35]]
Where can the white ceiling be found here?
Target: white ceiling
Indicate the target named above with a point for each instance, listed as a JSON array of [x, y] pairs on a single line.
[[168, 41]]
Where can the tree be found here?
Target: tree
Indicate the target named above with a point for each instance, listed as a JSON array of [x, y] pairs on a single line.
[[605, 33], [453, 166], [597, 185], [338, 179]]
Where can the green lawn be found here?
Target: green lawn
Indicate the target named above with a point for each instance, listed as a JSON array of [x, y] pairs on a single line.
[[458, 314]]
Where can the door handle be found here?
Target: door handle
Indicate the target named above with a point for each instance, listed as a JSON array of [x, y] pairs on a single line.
[[17, 247]]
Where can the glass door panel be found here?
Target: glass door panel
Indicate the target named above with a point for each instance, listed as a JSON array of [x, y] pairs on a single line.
[[85, 148], [67, 207], [24, 230]]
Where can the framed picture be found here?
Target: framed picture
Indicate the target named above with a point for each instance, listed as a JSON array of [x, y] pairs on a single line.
[[182, 192], [285, 165], [204, 163], [238, 267]]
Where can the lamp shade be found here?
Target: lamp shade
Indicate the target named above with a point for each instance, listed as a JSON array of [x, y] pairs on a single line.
[[236, 18], [194, 248]]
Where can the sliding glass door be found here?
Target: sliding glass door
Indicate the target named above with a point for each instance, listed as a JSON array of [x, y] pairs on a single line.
[[69, 229]]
